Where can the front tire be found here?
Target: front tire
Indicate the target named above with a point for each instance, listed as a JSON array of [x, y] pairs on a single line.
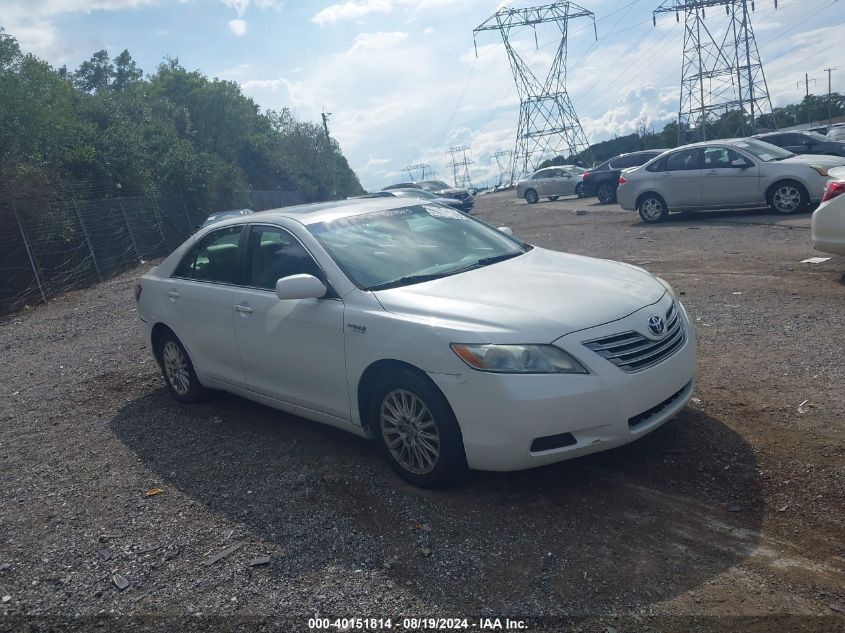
[[788, 197], [531, 197], [416, 429], [606, 193], [652, 209], [178, 370]]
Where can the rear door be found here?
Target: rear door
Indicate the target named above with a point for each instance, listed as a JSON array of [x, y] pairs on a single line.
[[724, 182], [199, 304], [292, 350], [678, 179]]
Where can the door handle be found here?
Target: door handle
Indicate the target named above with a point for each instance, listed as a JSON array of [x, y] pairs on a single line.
[[172, 294], [244, 309], [667, 175], [713, 172]]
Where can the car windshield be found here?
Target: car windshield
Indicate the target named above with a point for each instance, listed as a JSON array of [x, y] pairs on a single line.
[[762, 150], [400, 247], [433, 185], [413, 193], [576, 170]]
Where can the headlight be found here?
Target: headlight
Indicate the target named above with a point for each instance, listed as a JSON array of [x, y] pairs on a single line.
[[822, 171], [668, 287], [518, 359]]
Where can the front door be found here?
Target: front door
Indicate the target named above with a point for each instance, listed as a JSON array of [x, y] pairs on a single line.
[[725, 182], [563, 183], [292, 350]]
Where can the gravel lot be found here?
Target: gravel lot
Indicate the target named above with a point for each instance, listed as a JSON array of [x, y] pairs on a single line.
[[728, 518]]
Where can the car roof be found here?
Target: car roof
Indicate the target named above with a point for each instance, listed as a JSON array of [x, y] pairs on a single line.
[[322, 211]]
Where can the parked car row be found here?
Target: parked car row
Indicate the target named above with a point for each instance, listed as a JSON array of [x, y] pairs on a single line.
[[441, 190]]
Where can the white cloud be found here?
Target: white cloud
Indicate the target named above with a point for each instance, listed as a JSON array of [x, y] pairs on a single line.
[[351, 10], [380, 39], [238, 27], [240, 6]]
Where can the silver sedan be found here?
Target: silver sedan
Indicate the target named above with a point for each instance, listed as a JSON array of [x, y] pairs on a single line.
[[551, 183], [726, 174]]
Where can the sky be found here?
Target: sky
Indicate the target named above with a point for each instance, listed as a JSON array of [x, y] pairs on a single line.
[[401, 78]]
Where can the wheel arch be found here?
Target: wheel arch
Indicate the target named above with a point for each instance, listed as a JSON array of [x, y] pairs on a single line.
[[368, 380], [650, 192], [770, 189]]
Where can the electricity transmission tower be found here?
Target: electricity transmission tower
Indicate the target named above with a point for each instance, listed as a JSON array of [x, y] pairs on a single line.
[[503, 163], [460, 166], [723, 87], [548, 124], [424, 168]]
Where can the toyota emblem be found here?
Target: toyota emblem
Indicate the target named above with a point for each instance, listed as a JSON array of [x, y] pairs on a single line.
[[657, 325]]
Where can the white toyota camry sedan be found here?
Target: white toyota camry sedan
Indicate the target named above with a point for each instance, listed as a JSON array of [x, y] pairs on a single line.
[[450, 343]]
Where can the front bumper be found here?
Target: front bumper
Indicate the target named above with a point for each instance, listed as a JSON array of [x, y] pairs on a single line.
[[502, 415]]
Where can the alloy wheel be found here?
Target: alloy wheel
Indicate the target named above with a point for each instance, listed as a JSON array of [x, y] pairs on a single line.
[[652, 209], [176, 368], [605, 194], [786, 199], [531, 196], [409, 431]]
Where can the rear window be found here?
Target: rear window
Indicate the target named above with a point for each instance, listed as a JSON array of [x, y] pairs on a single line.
[[213, 258]]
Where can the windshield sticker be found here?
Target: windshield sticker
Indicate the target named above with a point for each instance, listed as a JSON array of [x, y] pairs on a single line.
[[766, 157], [443, 212], [741, 144]]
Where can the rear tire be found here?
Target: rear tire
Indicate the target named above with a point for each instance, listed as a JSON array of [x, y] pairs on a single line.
[[416, 429], [652, 208], [606, 193], [178, 370], [579, 190], [787, 197], [531, 197]]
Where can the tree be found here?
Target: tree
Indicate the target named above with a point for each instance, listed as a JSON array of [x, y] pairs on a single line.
[[126, 71], [95, 74]]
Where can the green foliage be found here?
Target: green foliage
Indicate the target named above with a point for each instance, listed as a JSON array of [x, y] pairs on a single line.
[[175, 131]]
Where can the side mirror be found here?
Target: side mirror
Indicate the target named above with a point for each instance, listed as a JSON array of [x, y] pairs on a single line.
[[300, 287], [506, 230], [741, 164]]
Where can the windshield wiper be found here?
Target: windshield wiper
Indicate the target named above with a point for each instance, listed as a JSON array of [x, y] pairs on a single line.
[[416, 279], [410, 279]]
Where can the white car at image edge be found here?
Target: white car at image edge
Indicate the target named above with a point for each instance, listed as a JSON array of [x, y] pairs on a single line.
[[450, 343], [828, 227]]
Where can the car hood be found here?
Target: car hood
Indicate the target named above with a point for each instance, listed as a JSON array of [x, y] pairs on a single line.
[[452, 202], [534, 298], [815, 159]]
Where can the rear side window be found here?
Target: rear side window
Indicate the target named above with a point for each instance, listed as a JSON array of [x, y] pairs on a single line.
[[214, 258], [683, 161], [273, 253]]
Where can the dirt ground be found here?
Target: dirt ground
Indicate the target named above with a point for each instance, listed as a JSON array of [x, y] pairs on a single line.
[[728, 518]]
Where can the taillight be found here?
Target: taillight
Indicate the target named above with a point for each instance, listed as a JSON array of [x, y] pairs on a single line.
[[585, 175], [833, 190], [623, 180], [137, 291]]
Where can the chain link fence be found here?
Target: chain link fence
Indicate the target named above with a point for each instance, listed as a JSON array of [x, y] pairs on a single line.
[[69, 239]]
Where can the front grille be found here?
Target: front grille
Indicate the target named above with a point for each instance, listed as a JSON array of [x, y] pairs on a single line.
[[645, 416], [633, 352]]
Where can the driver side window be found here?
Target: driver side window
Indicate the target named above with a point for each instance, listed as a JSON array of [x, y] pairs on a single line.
[[273, 253]]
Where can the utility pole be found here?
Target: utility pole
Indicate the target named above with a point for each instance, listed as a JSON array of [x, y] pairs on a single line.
[[548, 123], [330, 154], [807, 81], [829, 72], [721, 70]]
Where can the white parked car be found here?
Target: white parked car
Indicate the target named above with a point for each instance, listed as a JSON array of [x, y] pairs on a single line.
[[829, 219], [725, 174], [551, 183], [449, 342]]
